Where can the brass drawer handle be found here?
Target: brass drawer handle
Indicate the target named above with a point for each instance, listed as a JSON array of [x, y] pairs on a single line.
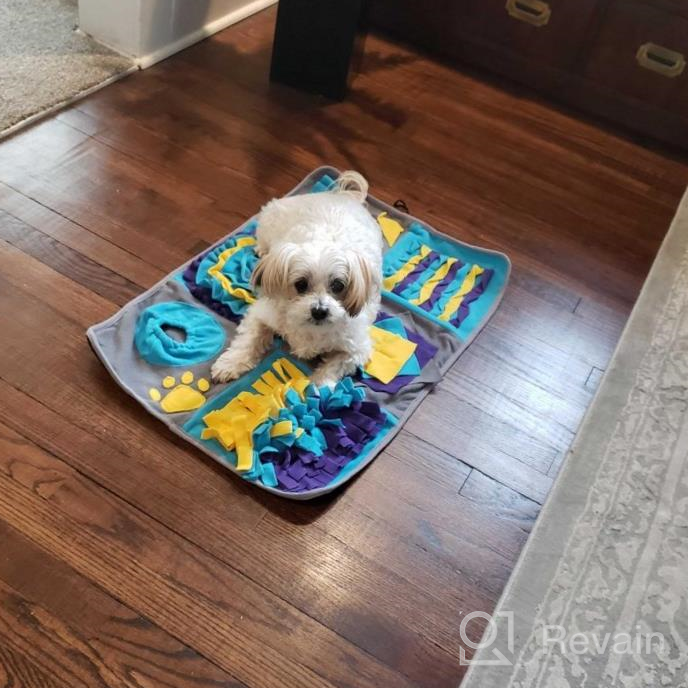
[[660, 59], [535, 12]]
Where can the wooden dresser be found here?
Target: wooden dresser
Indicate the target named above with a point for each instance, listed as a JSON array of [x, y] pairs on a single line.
[[622, 59]]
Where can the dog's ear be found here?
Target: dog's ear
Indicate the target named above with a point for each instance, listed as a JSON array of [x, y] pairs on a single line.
[[352, 183], [271, 273], [361, 284]]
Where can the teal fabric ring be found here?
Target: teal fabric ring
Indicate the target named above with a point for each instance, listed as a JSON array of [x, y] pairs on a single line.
[[204, 336]]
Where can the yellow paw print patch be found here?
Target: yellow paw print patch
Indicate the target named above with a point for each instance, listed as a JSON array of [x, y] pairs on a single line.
[[182, 396]]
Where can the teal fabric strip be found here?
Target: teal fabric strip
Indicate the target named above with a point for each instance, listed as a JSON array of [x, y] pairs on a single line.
[[413, 290], [238, 269], [325, 183], [203, 339], [451, 290], [409, 244]]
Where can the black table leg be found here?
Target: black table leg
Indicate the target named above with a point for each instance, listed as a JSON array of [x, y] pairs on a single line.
[[314, 44]]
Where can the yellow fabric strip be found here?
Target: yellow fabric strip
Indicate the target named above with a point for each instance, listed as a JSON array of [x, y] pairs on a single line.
[[270, 379], [295, 378], [279, 371], [253, 403], [244, 449], [300, 385], [390, 353], [216, 270], [391, 229], [261, 387], [284, 427], [429, 286], [288, 370], [455, 301], [390, 282], [233, 424]]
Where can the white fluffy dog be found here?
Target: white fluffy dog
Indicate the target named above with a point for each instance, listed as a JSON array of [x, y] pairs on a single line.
[[318, 282]]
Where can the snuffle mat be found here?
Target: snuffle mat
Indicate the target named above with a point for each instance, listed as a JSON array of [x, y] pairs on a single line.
[[272, 426]]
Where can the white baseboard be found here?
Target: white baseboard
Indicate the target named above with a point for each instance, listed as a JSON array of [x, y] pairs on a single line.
[[206, 30]]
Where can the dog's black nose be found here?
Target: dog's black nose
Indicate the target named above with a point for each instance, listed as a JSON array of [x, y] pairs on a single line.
[[319, 313]]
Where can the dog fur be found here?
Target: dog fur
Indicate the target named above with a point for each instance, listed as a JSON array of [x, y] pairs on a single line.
[[318, 282]]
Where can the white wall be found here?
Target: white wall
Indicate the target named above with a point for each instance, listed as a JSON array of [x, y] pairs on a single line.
[[151, 30], [113, 23]]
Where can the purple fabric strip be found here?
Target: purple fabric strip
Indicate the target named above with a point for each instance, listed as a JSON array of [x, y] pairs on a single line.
[[477, 291], [369, 408], [204, 294], [298, 470], [416, 272], [438, 291], [354, 433], [424, 349]]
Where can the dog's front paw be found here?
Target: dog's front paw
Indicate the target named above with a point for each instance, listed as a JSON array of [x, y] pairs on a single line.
[[324, 379], [228, 367]]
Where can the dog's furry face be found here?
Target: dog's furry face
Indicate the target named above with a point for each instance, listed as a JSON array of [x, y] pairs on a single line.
[[316, 284], [318, 281]]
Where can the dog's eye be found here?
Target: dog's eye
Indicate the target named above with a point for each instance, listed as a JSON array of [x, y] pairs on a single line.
[[301, 285], [337, 286]]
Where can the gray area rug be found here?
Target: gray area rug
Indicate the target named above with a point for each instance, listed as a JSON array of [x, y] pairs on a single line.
[[600, 595], [44, 62]]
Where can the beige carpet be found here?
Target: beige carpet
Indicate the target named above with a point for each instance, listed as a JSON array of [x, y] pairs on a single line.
[[599, 598], [44, 61]]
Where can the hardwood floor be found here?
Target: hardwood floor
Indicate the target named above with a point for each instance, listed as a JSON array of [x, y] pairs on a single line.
[[127, 557]]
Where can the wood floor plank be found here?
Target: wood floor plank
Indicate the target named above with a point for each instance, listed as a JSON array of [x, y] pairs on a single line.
[[63, 182], [169, 580], [80, 636], [213, 176], [502, 428], [19, 672], [419, 528], [482, 96], [273, 556], [506, 403], [434, 425], [195, 513], [578, 334], [507, 504], [48, 222], [67, 261]]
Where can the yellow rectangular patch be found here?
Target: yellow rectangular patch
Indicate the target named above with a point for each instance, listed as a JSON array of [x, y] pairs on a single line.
[[390, 353]]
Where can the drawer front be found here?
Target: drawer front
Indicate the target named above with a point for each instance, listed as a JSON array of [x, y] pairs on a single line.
[[678, 7], [431, 23], [550, 31], [641, 52]]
